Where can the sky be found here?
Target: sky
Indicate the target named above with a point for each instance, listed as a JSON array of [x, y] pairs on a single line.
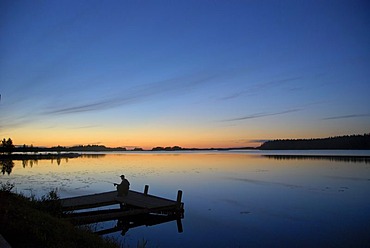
[[187, 73]]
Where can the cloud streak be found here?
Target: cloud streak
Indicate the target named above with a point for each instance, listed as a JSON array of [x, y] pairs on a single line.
[[261, 115], [260, 88], [258, 140], [170, 87], [346, 116]]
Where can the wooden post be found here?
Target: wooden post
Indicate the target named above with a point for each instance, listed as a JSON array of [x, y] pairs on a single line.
[[179, 196], [179, 225], [146, 189]]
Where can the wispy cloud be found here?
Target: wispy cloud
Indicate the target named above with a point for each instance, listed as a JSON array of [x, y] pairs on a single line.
[[259, 88], [346, 116], [261, 115], [18, 114], [248, 141], [259, 140], [15, 121], [85, 127], [170, 87]]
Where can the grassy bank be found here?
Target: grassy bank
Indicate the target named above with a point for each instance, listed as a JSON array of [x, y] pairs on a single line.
[[25, 222]]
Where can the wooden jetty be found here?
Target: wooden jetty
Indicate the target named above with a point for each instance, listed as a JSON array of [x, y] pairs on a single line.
[[135, 203]]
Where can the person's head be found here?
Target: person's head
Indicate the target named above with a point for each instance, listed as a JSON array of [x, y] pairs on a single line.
[[122, 177]]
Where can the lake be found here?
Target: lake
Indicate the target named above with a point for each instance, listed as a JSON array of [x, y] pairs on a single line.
[[232, 198]]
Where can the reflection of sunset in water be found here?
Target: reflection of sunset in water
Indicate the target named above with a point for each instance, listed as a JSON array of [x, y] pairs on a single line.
[[241, 190], [97, 172]]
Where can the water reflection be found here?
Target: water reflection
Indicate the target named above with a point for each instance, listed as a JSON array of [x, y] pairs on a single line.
[[93, 155], [26, 163], [123, 225], [6, 166], [351, 159], [264, 201]]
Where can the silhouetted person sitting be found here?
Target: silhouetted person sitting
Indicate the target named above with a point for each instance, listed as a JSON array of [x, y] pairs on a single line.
[[123, 187]]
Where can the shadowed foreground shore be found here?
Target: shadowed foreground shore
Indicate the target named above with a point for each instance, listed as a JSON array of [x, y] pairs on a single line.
[[25, 222]]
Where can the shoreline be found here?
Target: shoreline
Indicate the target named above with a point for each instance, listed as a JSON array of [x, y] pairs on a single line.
[[306, 153], [39, 156]]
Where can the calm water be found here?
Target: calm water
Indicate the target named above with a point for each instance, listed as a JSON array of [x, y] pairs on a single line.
[[232, 199]]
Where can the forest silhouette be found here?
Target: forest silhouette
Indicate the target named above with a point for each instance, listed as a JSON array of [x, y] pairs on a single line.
[[348, 142]]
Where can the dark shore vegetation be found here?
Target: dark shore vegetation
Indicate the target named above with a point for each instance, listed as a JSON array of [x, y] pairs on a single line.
[[348, 142], [28, 222], [178, 148]]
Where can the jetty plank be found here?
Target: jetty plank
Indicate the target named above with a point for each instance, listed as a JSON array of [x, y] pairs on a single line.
[[133, 198], [132, 205], [89, 201], [93, 218], [145, 201]]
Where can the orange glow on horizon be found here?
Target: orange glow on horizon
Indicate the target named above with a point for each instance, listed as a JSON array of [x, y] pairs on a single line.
[[149, 138], [146, 140]]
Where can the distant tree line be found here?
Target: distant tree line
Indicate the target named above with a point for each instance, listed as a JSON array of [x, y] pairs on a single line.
[[87, 148], [168, 148], [7, 147], [179, 148], [347, 142]]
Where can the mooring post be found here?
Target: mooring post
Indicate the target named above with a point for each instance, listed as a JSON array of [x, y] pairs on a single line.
[[146, 189], [179, 225], [179, 196]]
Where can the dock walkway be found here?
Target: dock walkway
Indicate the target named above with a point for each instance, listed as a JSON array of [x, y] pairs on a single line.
[[133, 204]]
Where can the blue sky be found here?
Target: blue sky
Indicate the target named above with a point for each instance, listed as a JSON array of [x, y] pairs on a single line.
[[188, 73]]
